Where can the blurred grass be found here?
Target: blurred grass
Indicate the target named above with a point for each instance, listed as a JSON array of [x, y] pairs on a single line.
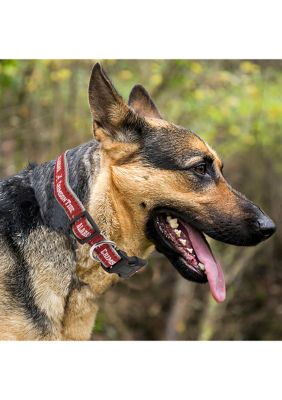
[[237, 107]]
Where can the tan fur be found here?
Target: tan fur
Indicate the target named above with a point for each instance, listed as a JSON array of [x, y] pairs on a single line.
[[50, 273], [80, 314], [13, 325]]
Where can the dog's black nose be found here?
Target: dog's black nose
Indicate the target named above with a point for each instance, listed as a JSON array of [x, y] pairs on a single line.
[[266, 226]]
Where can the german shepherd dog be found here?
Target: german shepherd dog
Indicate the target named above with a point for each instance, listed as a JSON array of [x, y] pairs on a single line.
[[148, 184]]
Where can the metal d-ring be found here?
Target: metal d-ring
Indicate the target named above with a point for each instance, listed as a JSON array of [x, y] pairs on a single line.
[[92, 248]]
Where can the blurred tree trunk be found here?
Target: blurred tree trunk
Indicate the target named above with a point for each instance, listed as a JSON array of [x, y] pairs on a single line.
[[22, 116], [180, 310]]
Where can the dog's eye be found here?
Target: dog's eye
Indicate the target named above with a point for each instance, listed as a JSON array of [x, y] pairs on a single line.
[[201, 168]]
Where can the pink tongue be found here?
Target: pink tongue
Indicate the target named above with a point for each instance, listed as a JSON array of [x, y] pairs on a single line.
[[213, 268]]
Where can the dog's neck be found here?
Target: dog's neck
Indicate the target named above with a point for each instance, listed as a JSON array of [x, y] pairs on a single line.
[[95, 188]]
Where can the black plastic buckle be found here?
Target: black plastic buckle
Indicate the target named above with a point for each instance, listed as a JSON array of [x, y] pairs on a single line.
[[127, 266], [86, 215]]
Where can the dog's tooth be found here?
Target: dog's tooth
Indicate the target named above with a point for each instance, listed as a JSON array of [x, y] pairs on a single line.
[[183, 241], [201, 266], [168, 218], [190, 250], [173, 223], [177, 232]]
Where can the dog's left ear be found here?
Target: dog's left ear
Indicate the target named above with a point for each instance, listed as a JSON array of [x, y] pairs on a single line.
[[142, 103], [115, 125], [107, 106], [113, 119]]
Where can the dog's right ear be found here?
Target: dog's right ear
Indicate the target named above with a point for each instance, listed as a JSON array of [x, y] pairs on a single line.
[[142, 103], [107, 106]]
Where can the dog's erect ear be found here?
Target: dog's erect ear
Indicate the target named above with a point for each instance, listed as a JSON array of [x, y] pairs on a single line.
[[116, 126], [142, 104], [107, 106]]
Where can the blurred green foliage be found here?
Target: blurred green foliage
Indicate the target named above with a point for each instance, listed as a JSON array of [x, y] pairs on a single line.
[[237, 107], [232, 104]]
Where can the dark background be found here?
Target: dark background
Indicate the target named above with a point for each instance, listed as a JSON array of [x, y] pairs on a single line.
[[237, 107]]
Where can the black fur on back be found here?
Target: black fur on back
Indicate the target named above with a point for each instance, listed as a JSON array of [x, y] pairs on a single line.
[[26, 203], [27, 199], [19, 209]]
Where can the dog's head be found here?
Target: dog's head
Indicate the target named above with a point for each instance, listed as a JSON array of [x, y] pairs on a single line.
[[171, 183]]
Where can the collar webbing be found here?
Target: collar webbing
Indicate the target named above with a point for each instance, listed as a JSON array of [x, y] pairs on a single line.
[[85, 230]]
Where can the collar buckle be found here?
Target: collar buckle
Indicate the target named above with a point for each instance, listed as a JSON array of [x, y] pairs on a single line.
[[127, 266]]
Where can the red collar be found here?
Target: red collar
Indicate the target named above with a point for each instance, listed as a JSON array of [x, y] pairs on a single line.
[[86, 231]]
